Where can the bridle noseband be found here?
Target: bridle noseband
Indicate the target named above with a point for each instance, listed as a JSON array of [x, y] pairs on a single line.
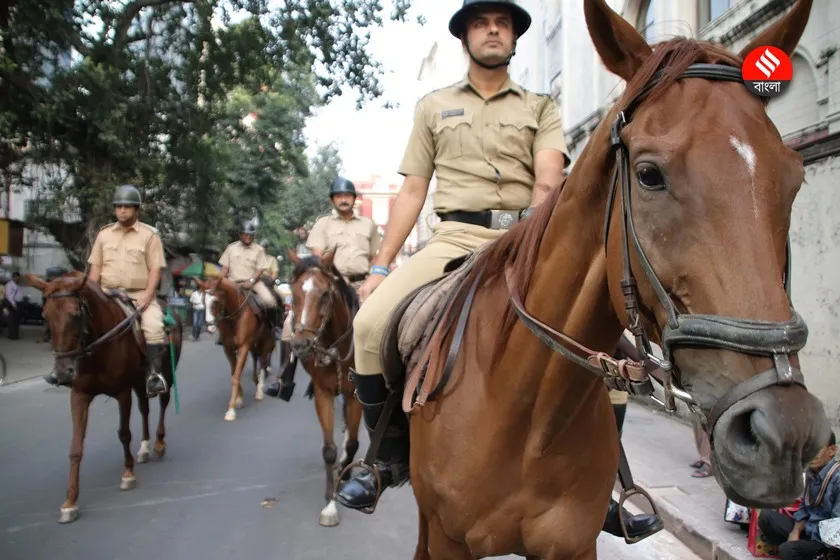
[[776, 340]]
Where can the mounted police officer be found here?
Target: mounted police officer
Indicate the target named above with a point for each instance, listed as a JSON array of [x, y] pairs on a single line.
[[355, 240], [245, 262], [497, 151], [128, 255]]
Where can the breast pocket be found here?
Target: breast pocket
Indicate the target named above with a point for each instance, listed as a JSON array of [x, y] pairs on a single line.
[[517, 136], [110, 253], [135, 256], [452, 136]]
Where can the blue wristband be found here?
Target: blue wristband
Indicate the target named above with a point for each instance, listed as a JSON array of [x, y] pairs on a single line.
[[380, 270]]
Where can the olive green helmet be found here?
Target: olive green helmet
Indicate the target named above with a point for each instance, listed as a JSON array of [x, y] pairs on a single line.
[[127, 195]]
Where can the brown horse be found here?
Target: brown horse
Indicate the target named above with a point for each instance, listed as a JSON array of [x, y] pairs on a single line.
[[323, 309], [96, 354], [242, 332], [679, 205]]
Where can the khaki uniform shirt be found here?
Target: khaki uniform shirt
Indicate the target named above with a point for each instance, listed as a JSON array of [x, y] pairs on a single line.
[[355, 241], [244, 262], [126, 255], [482, 150]]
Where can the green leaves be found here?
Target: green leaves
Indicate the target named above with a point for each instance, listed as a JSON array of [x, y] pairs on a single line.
[[153, 92]]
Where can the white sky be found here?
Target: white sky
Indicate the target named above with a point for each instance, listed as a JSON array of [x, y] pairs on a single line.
[[372, 141]]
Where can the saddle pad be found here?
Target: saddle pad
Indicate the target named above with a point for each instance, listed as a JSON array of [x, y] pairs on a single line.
[[419, 321], [128, 308]]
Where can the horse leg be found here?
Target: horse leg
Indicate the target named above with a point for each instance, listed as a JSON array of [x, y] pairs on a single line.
[[352, 420], [160, 444], [143, 405], [236, 386], [259, 377], [79, 405], [325, 407], [128, 481], [422, 550], [441, 547]]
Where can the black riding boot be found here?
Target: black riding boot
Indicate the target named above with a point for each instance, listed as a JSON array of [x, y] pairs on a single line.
[[360, 492], [155, 383], [284, 386], [642, 525]]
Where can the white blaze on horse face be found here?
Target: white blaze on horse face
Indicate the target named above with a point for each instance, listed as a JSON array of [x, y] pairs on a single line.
[[308, 286], [748, 155]]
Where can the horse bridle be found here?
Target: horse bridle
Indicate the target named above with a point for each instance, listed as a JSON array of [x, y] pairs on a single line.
[[777, 340], [329, 355], [83, 349]]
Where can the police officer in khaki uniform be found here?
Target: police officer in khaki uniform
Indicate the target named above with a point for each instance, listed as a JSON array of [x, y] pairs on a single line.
[[128, 255], [245, 262], [497, 151], [356, 240]]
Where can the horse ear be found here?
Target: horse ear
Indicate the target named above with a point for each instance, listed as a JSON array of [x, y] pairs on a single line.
[[622, 49], [327, 257], [293, 256], [35, 282], [785, 33]]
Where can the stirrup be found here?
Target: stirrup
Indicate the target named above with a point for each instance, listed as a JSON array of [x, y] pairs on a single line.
[[162, 379], [623, 498], [364, 466]]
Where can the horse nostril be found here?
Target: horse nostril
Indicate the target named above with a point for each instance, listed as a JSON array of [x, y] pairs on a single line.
[[753, 429]]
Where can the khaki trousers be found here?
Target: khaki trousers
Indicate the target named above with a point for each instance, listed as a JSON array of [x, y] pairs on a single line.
[[151, 320], [264, 294], [450, 241]]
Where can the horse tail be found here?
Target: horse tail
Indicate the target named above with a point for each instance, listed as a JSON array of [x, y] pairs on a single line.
[[310, 391]]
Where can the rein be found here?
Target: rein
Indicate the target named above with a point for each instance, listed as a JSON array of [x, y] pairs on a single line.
[[121, 328], [777, 340]]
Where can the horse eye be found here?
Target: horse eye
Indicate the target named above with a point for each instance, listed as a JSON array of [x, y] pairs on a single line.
[[650, 177]]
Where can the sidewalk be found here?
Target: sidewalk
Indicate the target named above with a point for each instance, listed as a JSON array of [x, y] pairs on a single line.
[[660, 449], [26, 358]]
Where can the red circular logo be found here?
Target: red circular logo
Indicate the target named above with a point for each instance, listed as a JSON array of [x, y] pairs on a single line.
[[767, 63], [767, 71]]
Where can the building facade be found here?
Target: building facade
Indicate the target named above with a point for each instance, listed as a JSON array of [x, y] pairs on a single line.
[[557, 57]]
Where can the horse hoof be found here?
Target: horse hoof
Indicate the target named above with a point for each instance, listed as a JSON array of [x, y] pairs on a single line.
[[230, 415], [68, 515], [238, 402], [128, 483], [329, 515], [143, 453], [258, 396], [160, 450]]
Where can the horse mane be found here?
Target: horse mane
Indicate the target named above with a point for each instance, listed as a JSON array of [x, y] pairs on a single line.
[[519, 247], [348, 294], [70, 281]]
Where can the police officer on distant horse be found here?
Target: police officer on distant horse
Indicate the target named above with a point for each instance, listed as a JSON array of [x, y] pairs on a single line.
[[128, 255]]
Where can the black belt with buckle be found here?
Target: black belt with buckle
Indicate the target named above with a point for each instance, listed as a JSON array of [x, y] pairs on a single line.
[[356, 277], [490, 219]]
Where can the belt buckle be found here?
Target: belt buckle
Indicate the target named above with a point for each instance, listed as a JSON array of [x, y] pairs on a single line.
[[503, 219]]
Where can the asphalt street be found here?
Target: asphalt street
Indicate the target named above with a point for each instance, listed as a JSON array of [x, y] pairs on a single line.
[[249, 488]]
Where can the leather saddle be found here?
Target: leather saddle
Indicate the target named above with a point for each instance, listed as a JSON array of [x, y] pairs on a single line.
[[415, 320], [129, 309], [255, 303]]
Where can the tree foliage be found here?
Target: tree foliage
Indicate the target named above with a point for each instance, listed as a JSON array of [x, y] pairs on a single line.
[[153, 92]]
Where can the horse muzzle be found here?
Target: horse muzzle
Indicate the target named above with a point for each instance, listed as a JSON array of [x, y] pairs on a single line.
[[63, 373]]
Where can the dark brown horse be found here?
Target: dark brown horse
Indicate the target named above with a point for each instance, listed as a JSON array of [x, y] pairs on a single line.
[[96, 353], [683, 210], [322, 338], [242, 332]]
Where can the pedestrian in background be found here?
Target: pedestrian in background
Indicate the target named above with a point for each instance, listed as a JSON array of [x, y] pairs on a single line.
[[199, 304]]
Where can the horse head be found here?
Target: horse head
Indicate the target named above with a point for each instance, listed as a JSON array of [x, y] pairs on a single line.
[[66, 312], [699, 224], [318, 292]]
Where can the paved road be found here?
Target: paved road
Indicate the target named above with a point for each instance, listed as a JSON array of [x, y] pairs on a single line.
[[203, 500]]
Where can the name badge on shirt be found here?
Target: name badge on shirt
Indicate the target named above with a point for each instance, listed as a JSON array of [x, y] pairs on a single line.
[[451, 113]]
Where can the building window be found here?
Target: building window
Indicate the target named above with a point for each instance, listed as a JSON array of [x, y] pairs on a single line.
[[647, 18], [710, 10]]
